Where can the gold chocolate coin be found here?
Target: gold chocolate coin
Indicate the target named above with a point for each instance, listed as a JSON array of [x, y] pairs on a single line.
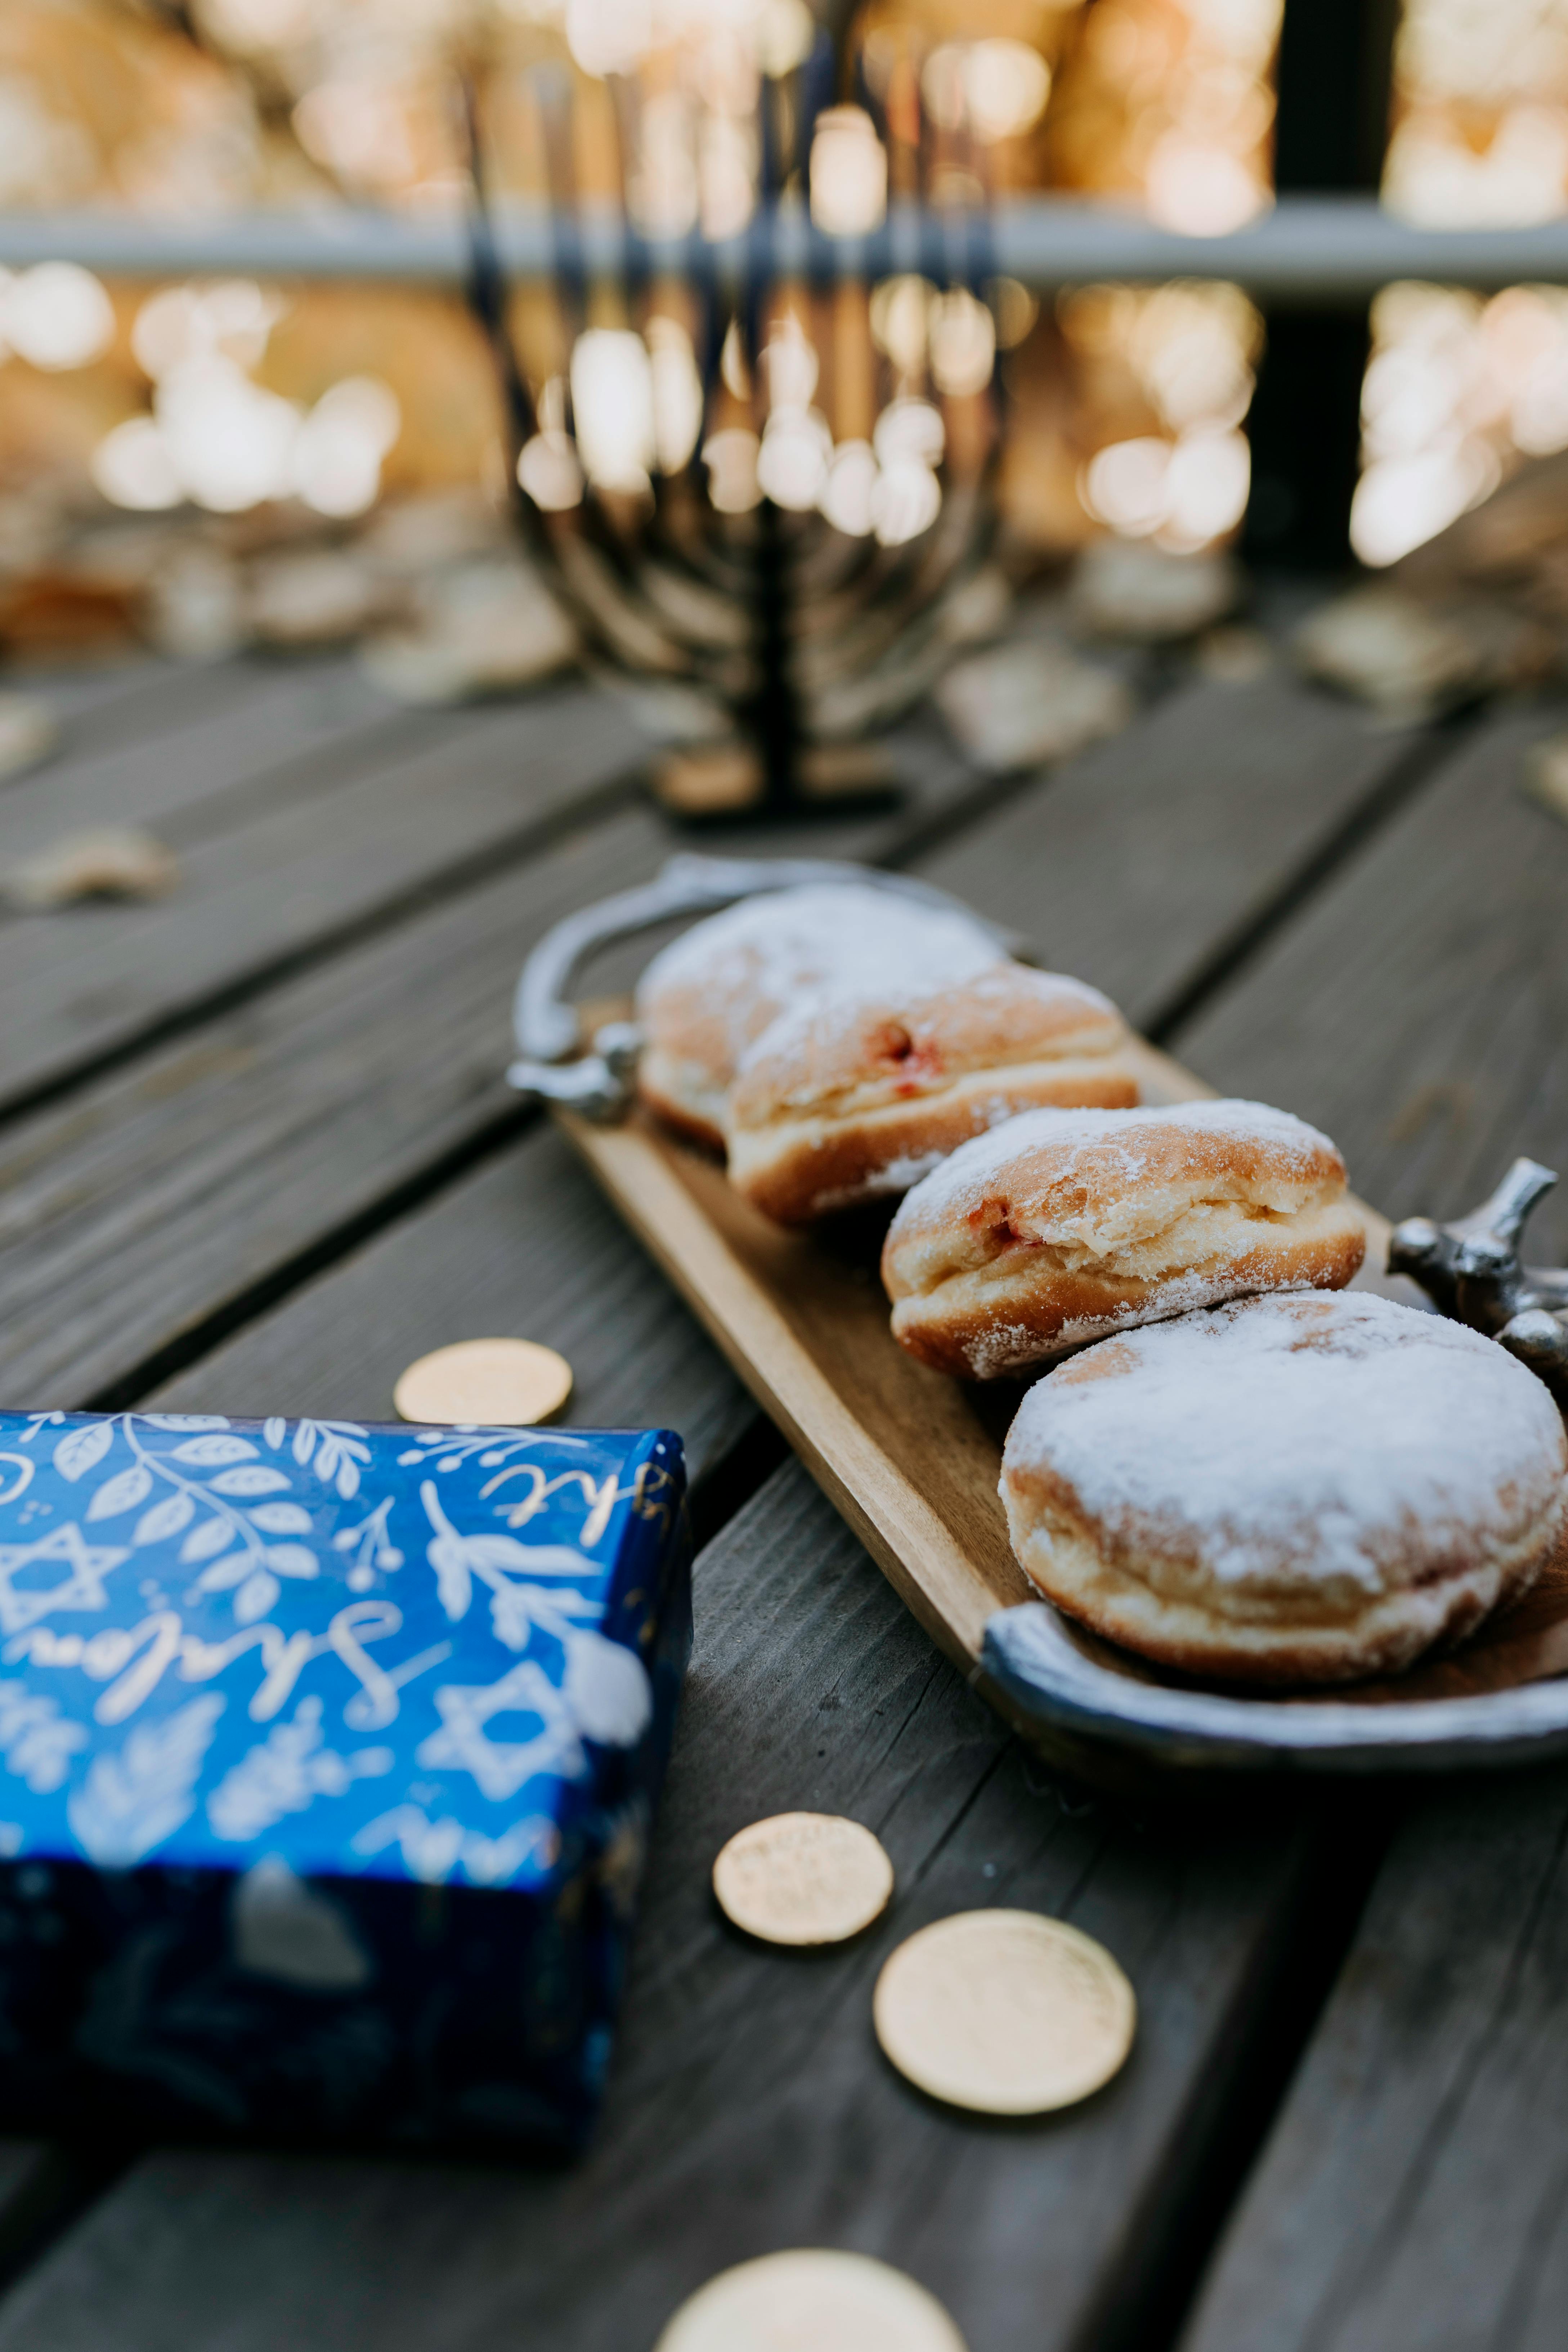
[[1005, 2011], [803, 1878], [504, 1384], [811, 2300]]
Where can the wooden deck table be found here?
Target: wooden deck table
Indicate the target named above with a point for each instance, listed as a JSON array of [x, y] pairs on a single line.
[[255, 1154]]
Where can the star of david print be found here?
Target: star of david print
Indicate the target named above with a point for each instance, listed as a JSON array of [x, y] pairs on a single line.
[[82, 1588], [500, 1767]]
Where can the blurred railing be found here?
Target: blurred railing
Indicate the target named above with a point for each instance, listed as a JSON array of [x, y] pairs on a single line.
[[1306, 249]]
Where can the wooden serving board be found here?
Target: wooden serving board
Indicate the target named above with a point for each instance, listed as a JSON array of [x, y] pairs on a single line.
[[910, 1457]]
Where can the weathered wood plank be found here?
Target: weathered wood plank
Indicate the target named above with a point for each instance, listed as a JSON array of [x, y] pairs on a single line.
[[521, 1245], [1137, 863], [750, 2108], [279, 858], [193, 740], [293, 856], [1411, 2191], [82, 696], [145, 1202], [1411, 2197], [1418, 1010], [132, 1211]]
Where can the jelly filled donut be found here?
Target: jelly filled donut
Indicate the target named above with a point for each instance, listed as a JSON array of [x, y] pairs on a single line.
[[839, 1042], [1062, 1226]]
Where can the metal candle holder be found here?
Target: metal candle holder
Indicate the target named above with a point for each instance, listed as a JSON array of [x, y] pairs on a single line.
[[1472, 1270], [794, 638]]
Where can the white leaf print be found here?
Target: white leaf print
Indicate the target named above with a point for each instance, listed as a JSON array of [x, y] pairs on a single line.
[[255, 1596], [164, 1519], [283, 1928], [81, 1450], [275, 1431], [249, 1478], [304, 1442], [184, 1419], [211, 1452], [291, 1768], [121, 1492], [131, 1801], [223, 1574], [347, 1478], [607, 1690], [281, 1519], [39, 1742], [292, 1559], [203, 1542]]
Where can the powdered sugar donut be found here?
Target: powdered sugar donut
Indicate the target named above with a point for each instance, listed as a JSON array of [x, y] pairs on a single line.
[[840, 1042], [1294, 1488], [713, 991], [1062, 1226]]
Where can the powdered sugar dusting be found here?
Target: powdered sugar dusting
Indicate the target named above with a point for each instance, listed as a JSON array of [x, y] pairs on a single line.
[[1300, 1438], [1005, 1348], [1107, 1141], [839, 940], [879, 1184], [815, 1017]]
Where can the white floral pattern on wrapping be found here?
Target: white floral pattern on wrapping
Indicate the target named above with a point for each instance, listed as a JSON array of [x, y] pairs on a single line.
[[235, 1517], [274, 1680], [216, 1490]]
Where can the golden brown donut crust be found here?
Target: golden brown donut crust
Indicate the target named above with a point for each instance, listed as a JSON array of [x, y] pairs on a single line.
[[862, 1055], [705, 1000], [1058, 1230], [859, 1102], [797, 1169], [1288, 1489], [838, 1043]]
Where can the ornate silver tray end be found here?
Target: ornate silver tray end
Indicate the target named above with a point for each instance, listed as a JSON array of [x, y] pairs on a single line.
[[1472, 1270]]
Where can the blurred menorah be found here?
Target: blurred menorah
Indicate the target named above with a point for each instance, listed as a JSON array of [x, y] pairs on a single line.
[[760, 477]]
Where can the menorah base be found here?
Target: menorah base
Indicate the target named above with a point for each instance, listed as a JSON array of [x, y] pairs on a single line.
[[728, 783]]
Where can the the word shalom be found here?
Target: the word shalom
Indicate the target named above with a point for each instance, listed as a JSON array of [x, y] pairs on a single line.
[[133, 1659]]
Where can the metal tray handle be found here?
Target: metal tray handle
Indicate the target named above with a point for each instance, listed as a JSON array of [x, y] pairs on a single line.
[[602, 1082]]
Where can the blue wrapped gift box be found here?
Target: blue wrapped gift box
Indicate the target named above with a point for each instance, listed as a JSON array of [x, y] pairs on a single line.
[[328, 1756]]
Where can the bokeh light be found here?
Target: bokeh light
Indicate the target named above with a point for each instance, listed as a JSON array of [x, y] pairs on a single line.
[[336, 458], [612, 408], [1179, 358], [1481, 127], [730, 458], [1457, 390], [848, 172], [997, 88], [55, 316], [846, 498], [1172, 102], [548, 469]]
